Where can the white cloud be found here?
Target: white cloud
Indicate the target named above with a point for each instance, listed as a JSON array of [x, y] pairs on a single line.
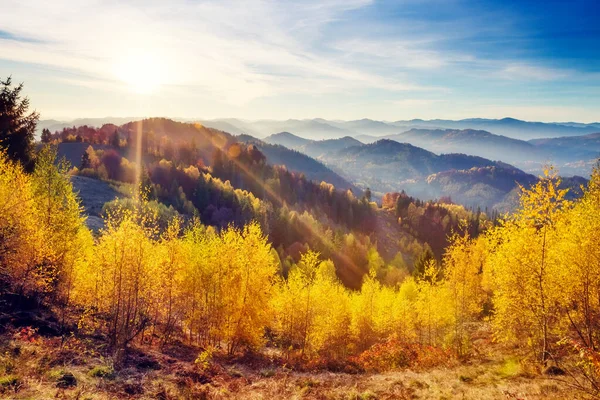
[[233, 57], [397, 54], [236, 51], [519, 71], [415, 102]]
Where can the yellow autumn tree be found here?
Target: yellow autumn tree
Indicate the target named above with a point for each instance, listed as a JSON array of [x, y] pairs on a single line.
[[120, 281], [226, 285], [579, 254], [250, 271], [435, 316], [43, 233], [66, 240], [463, 272], [528, 279], [21, 245], [169, 306]]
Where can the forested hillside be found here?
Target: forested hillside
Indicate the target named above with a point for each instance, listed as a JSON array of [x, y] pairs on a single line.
[[218, 275]]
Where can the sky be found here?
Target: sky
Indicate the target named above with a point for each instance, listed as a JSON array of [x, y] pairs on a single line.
[[335, 59]]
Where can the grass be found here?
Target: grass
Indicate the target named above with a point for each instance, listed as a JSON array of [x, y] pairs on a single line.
[[9, 382], [102, 371], [38, 368], [511, 367]]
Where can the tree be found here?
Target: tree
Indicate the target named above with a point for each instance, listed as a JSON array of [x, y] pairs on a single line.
[[112, 161], [463, 269], [528, 276], [115, 140], [121, 280], [85, 161], [422, 261], [46, 136], [17, 127]]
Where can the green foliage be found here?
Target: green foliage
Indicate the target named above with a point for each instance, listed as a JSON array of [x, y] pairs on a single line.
[[102, 371], [17, 127], [10, 382]]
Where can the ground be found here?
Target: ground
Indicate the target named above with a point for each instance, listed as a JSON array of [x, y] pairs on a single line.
[[94, 193], [33, 366]]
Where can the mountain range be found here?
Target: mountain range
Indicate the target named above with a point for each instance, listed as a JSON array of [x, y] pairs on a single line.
[[319, 128], [475, 167]]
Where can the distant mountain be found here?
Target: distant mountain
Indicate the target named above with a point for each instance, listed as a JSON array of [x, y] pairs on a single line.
[[494, 187], [233, 126], [287, 139], [473, 142], [483, 186], [295, 161], [319, 128], [510, 127], [587, 144], [387, 166], [55, 125], [319, 148], [367, 138], [575, 155], [313, 148], [365, 126]]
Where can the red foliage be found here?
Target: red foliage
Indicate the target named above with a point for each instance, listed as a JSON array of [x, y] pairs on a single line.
[[27, 334], [397, 354], [112, 161]]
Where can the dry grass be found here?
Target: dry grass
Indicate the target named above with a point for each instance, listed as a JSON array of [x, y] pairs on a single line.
[[38, 368]]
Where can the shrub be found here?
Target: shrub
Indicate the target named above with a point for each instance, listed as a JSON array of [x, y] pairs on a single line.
[[396, 354]]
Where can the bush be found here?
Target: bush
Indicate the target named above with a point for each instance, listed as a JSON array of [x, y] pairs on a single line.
[[93, 173], [396, 354]]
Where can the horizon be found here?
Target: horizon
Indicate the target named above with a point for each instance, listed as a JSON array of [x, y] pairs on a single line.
[[383, 60], [197, 119]]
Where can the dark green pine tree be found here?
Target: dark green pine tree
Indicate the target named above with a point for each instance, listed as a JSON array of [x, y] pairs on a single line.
[[422, 261], [46, 136], [17, 126], [85, 161]]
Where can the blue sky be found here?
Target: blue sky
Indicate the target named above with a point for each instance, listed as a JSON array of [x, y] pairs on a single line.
[[339, 59]]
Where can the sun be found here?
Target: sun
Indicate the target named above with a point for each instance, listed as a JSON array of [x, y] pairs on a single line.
[[143, 72]]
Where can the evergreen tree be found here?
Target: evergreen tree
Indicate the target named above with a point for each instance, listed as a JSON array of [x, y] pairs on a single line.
[[115, 140], [16, 125], [46, 136], [85, 161], [422, 261]]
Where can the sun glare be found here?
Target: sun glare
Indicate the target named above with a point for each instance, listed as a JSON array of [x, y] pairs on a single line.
[[142, 72]]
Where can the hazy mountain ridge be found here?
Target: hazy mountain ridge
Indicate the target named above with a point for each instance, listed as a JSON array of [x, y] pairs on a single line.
[[294, 160], [510, 127], [387, 166], [590, 143], [319, 128], [470, 141], [313, 148]]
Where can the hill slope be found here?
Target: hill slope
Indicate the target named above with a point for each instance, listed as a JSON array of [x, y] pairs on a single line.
[[298, 162], [473, 142], [388, 166]]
